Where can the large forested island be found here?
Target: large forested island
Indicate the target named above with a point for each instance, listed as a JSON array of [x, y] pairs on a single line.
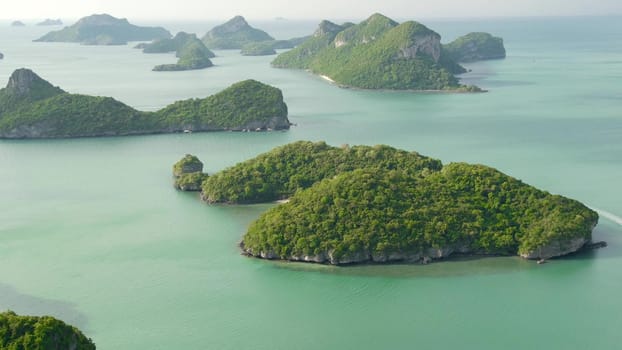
[[105, 30], [378, 204], [191, 52], [30, 107], [40, 333], [377, 53]]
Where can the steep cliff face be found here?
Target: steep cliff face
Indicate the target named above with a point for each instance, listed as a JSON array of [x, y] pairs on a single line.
[[426, 44]]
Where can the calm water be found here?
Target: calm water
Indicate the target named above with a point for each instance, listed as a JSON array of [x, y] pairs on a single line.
[[92, 231]]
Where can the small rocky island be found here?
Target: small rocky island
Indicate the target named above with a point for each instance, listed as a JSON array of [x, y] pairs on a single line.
[[17, 24], [379, 53], [46, 332], [234, 34], [379, 204], [190, 51], [188, 173], [30, 107], [476, 47], [104, 30], [50, 22], [264, 48]]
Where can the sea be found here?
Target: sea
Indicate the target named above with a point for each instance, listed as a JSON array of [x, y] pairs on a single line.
[[93, 232]]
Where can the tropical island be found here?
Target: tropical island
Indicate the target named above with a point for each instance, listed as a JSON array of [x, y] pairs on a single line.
[[234, 34], [190, 51], [104, 30], [475, 47], [34, 333], [378, 53], [31, 107], [378, 204], [17, 24], [50, 22]]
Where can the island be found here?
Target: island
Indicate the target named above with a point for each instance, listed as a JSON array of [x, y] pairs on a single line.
[[17, 24], [377, 53], [104, 29], [476, 47], [1, 55], [31, 107], [191, 51], [45, 332], [234, 34], [50, 22], [188, 174], [362, 204], [264, 48]]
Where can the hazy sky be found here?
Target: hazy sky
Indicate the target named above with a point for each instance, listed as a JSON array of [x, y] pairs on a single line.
[[308, 9]]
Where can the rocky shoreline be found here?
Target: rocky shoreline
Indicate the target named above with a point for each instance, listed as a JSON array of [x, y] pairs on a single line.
[[429, 256]]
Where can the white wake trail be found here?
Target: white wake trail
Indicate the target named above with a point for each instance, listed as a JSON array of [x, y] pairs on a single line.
[[609, 216]]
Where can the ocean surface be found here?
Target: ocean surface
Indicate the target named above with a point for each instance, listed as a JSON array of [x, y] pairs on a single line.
[[92, 231]]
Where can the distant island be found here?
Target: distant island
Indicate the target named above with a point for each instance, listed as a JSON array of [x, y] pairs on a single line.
[[191, 51], [104, 30], [1, 56], [234, 34], [378, 204], [264, 48], [379, 53], [17, 24], [46, 332], [475, 47], [50, 22], [30, 107]]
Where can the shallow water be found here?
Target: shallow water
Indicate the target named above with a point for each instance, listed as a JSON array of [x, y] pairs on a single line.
[[92, 231]]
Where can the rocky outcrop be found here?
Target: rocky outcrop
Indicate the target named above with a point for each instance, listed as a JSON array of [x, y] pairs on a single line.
[[188, 164], [327, 28], [188, 174], [556, 248], [427, 44]]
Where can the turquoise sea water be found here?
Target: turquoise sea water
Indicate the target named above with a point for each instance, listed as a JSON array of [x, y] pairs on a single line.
[[92, 231]]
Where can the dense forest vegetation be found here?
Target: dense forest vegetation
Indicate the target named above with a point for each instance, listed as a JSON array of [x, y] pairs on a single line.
[[40, 333], [382, 215], [32, 107], [281, 172]]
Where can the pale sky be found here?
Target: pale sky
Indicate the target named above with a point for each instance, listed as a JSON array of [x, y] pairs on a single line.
[[308, 9]]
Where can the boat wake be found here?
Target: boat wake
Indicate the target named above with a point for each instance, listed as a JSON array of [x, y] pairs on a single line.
[[609, 216]]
